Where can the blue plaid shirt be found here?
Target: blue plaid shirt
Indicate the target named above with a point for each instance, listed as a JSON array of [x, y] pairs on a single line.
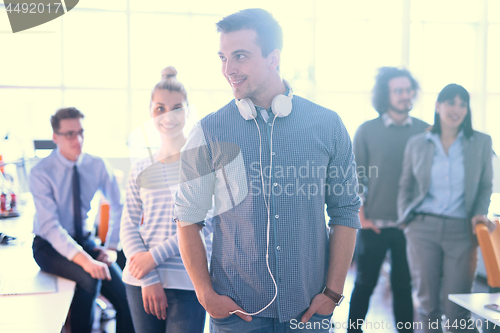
[[312, 164]]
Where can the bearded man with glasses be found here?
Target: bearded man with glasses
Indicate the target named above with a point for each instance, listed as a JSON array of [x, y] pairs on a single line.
[[379, 148]]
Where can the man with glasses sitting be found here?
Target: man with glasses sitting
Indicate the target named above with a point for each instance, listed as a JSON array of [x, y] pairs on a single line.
[[63, 184]]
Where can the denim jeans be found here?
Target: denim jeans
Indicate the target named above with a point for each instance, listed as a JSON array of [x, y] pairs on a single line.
[[371, 249], [184, 313], [87, 288], [317, 324]]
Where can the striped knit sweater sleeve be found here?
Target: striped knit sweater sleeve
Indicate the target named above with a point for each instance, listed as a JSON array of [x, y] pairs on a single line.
[[131, 219]]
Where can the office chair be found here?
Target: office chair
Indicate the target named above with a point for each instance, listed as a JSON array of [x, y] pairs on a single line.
[[490, 249], [103, 215], [102, 230], [43, 145]]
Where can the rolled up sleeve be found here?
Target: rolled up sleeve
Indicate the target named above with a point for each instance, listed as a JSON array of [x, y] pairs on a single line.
[[342, 199], [197, 180]]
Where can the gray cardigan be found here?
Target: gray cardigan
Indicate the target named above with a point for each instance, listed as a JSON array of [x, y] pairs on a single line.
[[415, 179], [379, 152]]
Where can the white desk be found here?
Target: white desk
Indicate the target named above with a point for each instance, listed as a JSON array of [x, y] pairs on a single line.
[[475, 303], [41, 313]]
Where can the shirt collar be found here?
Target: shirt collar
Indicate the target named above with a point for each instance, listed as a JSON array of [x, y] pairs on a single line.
[[435, 136], [388, 121], [260, 108], [66, 162]]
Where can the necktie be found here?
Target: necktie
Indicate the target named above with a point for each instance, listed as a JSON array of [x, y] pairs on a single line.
[[77, 207]]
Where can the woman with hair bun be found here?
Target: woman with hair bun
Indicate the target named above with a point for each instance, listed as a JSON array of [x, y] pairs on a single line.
[[160, 294]]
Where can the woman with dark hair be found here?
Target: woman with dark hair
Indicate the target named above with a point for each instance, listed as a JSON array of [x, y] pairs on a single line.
[[444, 191]]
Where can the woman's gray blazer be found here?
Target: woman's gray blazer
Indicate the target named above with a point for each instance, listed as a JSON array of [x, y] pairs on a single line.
[[416, 177]]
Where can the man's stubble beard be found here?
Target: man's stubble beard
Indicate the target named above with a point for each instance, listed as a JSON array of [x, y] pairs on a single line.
[[400, 111]]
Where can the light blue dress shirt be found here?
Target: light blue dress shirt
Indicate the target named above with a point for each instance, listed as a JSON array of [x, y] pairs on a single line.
[[446, 194], [313, 164], [51, 187]]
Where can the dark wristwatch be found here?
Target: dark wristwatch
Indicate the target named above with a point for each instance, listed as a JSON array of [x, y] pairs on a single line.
[[335, 297]]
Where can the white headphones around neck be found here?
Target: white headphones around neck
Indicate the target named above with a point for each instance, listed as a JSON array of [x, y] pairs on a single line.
[[281, 105]]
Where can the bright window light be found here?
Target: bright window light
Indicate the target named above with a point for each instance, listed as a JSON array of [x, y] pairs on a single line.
[[106, 56]]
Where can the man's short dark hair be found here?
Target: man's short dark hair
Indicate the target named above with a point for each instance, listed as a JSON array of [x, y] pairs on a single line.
[[269, 32], [64, 113], [380, 92]]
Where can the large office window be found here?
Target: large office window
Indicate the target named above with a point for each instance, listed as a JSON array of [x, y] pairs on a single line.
[[104, 57]]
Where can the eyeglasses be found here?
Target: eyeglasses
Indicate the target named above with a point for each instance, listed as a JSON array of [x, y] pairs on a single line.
[[71, 134], [399, 91]]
